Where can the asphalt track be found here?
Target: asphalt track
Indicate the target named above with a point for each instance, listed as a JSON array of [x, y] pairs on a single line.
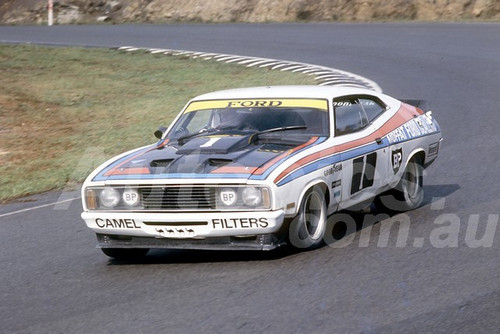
[[52, 280]]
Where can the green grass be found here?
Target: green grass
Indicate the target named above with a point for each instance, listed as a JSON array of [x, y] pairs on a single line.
[[63, 111]]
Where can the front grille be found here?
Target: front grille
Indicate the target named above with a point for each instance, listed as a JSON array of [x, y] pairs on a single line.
[[178, 198]]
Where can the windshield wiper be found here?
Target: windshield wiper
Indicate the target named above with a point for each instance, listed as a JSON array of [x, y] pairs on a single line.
[[285, 128]]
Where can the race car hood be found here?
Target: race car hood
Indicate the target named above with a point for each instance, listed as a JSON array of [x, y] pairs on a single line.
[[228, 156]]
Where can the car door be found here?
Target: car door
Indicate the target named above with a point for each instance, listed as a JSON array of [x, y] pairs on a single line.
[[363, 154]]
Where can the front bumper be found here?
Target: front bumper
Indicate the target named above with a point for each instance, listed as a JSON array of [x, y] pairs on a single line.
[[203, 230], [263, 242]]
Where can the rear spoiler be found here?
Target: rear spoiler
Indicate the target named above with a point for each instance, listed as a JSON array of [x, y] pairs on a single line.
[[421, 104]]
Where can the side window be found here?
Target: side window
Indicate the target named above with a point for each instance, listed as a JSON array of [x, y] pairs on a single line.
[[349, 116], [371, 107]]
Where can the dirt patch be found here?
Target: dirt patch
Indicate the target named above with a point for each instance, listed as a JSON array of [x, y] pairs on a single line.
[[21, 134]]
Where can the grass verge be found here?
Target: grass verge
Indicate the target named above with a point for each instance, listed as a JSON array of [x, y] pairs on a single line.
[[63, 111]]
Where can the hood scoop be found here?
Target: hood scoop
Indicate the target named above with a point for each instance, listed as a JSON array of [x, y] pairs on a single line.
[[215, 162], [162, 163]]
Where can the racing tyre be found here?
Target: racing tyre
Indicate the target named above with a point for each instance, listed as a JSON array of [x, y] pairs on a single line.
[[125, 253], [409, 193], [307, 229]]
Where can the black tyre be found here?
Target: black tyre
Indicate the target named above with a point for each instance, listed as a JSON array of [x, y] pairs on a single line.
[[125, 253], [307, 229], [409, 193]]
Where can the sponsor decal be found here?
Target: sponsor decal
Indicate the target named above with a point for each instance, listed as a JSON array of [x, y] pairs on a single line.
[[335, 168], [397, 135], [170, 232], [228, 223], [397, 158], [116, 223], [228, 196], [257, 103], [131, 197], [366, 103], [253, 103], [414, 128], [336, 184], [341, 103]]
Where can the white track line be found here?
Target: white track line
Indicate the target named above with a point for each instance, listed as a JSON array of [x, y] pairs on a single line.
[[325, 75], [37, 207]]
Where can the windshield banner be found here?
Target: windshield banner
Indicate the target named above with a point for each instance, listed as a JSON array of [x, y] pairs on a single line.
[[258, 103]]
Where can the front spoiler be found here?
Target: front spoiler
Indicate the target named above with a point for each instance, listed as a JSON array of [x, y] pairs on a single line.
[[263, 242]]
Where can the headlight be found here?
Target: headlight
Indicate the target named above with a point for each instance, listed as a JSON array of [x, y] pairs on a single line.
[[109, 197], [131, 197], [241, 197], [115, 198], [228, 196], [252, 196]]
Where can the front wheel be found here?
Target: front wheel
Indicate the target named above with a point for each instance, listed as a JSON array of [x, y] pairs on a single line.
[[409, 193], [125, 253], [307, 229]]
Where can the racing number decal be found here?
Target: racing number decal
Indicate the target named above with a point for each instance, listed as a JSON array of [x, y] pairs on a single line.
[[210, 142], [363, 172]]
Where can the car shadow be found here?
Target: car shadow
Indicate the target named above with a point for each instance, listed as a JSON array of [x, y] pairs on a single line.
[[373, 215], [177, 256], [437, 191]]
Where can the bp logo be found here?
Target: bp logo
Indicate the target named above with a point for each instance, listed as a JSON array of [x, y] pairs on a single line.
[[397, 158], [228, 196]]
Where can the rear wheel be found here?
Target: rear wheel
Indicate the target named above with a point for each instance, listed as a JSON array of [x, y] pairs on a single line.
[[409, 193], [125, 253], [307, 229]]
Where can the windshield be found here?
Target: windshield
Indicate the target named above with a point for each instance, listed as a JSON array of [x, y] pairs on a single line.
[[305, 117]]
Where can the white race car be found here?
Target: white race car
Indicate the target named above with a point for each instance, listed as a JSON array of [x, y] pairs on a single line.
[[257, 168]]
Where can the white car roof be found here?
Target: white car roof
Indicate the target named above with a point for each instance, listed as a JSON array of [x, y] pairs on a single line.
[[323, 92]]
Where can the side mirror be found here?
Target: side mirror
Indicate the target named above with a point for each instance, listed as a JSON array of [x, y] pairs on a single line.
[[160, 132]]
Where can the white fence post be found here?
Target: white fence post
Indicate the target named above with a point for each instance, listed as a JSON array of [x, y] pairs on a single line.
[[51, 12]]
